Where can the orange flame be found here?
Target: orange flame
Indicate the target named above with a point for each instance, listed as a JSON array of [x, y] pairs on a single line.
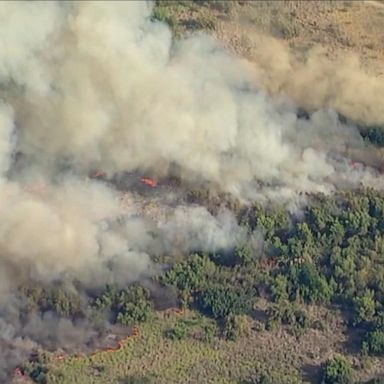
[[18, 372], [97, 174], [179, 311], [150, 182], [356, 164], [135, 333]]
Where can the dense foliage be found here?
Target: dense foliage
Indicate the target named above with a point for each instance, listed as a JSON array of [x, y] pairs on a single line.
[[337, 371], [374, 135], [127, 306], [330, 254]]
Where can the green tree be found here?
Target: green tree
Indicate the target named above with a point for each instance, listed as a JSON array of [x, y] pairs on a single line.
[[364, 307], [337, 370], [375, 341], [133, 306], [279, 288], [310, 284], [208, 333], [234, 327], [129, 306], [220, 301], [191, 274], [178, 332], [374, 135]]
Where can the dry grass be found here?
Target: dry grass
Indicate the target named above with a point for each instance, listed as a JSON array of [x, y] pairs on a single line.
[[190, 360], [339, 26]]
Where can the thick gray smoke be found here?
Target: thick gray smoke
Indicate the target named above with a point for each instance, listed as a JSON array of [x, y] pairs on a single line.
[[318, 81], [102, 86], [99, 85]]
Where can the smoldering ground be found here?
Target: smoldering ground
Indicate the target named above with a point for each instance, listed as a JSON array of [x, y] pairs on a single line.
[[100, 85]]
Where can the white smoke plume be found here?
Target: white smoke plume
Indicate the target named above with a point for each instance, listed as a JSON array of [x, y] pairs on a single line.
[[195, 229], [107, 88], [319, 81]]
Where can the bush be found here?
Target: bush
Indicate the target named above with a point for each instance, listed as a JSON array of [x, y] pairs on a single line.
[[235, 326], [179, 332], [208, 333], [312, 287], [37, 369], [337, 371], [129, 306], [365, 307], [56, 299], [375, 341], [279, 288], [134, 313], [272, 324], [287, 313], [221, 301], [191, 274], [163, 15], [374, 135], [133, 306]]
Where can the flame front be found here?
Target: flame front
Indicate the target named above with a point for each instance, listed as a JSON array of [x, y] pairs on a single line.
[[150, 182]]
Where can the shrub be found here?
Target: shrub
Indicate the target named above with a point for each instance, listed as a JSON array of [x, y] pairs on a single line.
[[374, 135], [129, 306], [37, 369], [337, 370], [133, 306], [279, 288], [133, 313], [56, 299], [208, 334], [191, 274], [220, 301], [365, 307], [163, 15], [375, 341], [235, 326], [179, 332], [310, 284], [272, 324]]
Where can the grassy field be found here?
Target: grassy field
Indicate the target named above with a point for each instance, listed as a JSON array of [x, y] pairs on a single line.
[[338, 26], [153, 357]]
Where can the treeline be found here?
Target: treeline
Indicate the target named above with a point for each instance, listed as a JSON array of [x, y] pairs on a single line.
[[127, 306]]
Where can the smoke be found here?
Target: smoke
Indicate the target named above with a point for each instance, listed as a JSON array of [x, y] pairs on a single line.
[[318, 81], [184, 228], [116, 93], [99, 85]]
